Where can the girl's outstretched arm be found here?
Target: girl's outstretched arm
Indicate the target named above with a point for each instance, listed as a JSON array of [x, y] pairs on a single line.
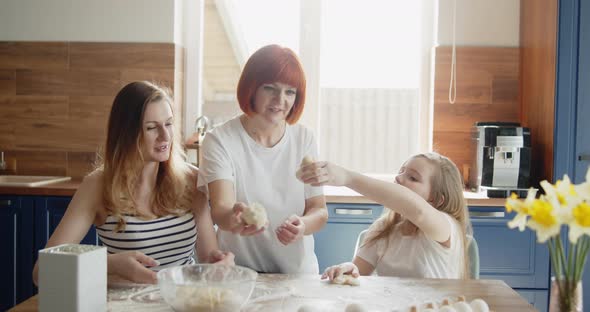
[[402, 200]]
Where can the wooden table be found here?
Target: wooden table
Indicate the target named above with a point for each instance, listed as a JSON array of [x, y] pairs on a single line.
[[280, 292]]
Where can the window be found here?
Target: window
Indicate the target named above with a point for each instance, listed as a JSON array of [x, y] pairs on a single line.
[[367, 64]]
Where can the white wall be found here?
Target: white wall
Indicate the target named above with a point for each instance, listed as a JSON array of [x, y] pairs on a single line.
[[87, 20], [480, 22]]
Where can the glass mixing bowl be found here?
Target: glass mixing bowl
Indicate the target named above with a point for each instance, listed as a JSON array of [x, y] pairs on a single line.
[[206, 287]]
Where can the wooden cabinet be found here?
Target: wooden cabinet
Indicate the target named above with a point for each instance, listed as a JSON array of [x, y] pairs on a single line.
[[505, 254], [26, 223]]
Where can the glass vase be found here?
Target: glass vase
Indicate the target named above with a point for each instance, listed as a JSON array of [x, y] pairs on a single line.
[[569, 302]]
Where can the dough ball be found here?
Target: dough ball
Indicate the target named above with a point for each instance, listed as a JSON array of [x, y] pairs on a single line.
[[346, 279], [447, 308], [355, 307], [255, 214], [307, 308], [479, 305], [198, 299], [306, 161], [462, 306]]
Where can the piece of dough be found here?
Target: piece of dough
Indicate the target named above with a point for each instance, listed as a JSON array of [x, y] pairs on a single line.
[[355, 307], [255, 214], [346, 279], [307, 308], [206, 299], [306, 161]]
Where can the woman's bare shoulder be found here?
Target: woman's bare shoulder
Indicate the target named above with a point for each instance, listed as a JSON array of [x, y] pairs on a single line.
[[94, 179]]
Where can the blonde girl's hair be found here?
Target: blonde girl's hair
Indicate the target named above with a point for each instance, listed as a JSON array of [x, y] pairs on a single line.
[[122, 159], [447, 188]]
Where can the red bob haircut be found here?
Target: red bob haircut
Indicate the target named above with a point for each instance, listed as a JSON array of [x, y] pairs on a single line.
[[272, 63]]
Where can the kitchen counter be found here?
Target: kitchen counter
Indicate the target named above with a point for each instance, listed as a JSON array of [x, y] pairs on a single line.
[[280, 292], [333, 194]]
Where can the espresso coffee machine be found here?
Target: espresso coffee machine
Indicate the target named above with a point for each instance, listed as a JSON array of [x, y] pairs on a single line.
[[501, 162]]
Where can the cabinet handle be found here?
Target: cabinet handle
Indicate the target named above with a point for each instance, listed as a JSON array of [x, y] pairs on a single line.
[[5, 202], [346, 211], [487, 214], [585, 157]]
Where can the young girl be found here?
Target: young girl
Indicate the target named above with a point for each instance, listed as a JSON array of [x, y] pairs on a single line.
[[143, 199], [423, 235]]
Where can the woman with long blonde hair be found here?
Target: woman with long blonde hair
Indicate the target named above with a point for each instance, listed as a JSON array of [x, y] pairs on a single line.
[[424, 232], [143, 198]]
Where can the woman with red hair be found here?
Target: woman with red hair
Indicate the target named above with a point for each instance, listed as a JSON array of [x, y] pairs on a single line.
[[253, 159]]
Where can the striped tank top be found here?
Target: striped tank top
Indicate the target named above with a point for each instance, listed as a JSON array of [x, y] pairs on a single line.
[[170, 240]]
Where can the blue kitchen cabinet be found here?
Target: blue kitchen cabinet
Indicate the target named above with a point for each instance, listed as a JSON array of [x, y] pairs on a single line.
[[512, 256], [26, 223], [48, 213], [336, 241], [505, 254], [572, 101], [16, 250], [538, 298]]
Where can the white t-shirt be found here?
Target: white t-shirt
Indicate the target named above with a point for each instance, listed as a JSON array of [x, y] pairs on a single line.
[[264, 175], [415, 256]]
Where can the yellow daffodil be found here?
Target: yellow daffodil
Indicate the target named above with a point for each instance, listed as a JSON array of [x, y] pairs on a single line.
[[563, 204], [521, 208], [543, 219], [580, 223]]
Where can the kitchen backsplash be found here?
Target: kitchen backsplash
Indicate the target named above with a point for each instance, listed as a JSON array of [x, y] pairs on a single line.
[[487, 90], [55, 97]]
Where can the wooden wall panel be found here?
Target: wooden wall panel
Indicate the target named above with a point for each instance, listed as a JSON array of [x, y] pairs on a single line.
[[32, 106], [80, 163], [123, 55], [538, 44], [487, 90], [68, 82], [39, 55], [55, 98], [7, 82], [51, 163]]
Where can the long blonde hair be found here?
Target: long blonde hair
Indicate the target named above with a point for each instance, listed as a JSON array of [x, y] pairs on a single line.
[[446, 188], [122, 160]]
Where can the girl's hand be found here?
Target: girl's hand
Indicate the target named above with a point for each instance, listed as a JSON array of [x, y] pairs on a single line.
[[221, 257], [323, 173], [343, 268], [239, 226], [291, 230], [133, 266]]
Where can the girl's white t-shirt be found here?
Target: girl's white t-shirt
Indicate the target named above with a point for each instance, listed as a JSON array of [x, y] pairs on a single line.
[[266, 176], [415, 256]]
